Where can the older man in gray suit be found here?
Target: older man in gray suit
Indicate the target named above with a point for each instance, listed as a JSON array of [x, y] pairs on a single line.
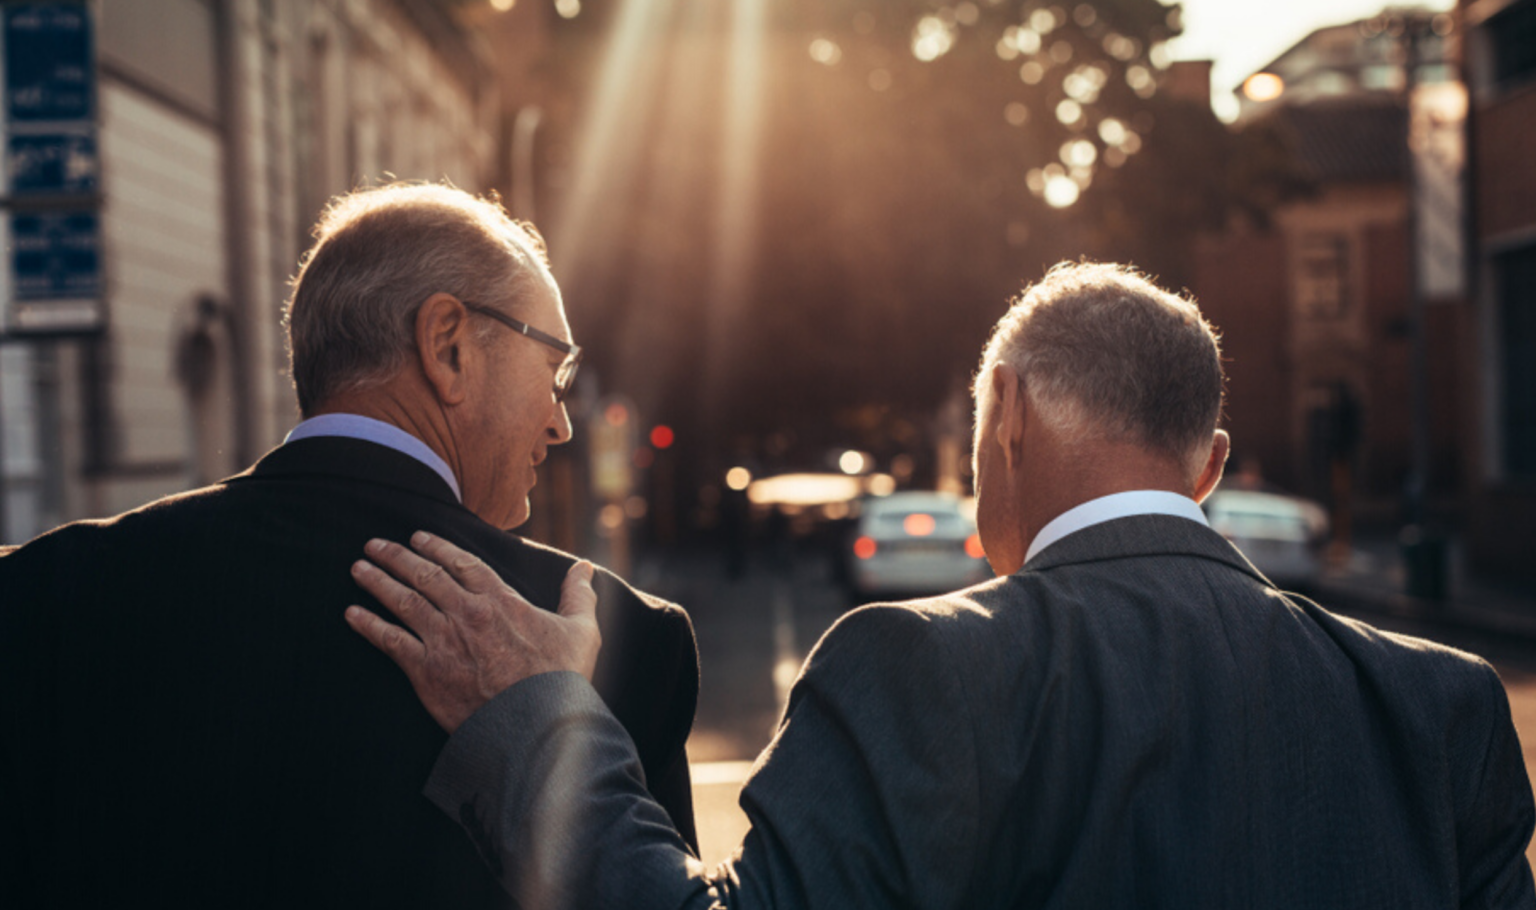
[[1129, 715]]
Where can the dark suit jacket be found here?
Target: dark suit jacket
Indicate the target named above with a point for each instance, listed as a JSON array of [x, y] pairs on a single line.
[[1136, 719], [187, 720]]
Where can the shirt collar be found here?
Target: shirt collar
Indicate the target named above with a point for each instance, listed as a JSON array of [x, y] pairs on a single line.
[[1108, 508], [356, 426]]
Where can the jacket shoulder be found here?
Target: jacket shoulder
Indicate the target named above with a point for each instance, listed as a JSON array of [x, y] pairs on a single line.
[[550, 565], [930, 627], [1401, 655]]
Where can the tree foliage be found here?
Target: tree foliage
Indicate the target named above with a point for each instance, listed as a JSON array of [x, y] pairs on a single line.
[[919, 163]]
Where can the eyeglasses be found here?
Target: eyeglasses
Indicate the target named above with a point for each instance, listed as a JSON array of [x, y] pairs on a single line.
[[565, 373]]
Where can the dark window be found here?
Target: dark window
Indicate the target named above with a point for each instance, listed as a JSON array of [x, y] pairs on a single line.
[[1516, 275], [1513, 32], [1322, 284]]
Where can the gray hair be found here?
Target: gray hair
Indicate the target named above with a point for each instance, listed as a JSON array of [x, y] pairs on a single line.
[[378, 255], [1106, 354]]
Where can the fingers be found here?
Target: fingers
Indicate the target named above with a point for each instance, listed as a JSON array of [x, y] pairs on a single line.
[[401, 647], [407, 605], [577, 599], [426, 576], [468, 569]]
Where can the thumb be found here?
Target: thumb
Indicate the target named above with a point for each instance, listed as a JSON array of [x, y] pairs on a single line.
[[577, 599]]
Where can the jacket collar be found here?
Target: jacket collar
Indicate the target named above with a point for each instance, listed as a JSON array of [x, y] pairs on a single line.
[[1141, 535], [350, 459]]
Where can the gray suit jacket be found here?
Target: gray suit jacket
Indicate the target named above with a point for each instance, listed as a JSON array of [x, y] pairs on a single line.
[[1136, 719]]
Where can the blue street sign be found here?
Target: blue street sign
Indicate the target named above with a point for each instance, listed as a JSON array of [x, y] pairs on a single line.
[[50, 274], [55, 255], [51, 164], [48, 63]]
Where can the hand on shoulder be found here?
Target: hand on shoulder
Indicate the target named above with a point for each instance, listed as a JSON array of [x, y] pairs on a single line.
[[474, 635]]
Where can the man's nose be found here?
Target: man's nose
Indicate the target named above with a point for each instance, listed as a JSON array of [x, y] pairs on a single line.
[[559, 428]]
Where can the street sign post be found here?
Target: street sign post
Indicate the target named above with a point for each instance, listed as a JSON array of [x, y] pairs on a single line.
[[59, 164], [51, 279]]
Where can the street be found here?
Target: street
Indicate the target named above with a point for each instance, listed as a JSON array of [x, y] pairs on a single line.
[[754, 632]]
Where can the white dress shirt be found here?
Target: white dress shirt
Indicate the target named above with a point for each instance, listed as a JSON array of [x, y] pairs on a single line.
[[1115, 505], [356, 426]]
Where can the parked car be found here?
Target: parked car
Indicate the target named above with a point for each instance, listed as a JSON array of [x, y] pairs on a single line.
[[913, 543], [1281, 535]]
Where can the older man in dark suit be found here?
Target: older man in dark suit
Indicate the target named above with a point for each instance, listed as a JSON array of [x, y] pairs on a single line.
[[1130, 715], [184, 718]]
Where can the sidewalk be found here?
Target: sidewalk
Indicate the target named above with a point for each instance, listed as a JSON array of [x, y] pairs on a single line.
[[1373, 581]]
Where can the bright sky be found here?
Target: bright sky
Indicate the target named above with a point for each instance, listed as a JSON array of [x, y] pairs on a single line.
[[1243, 35]]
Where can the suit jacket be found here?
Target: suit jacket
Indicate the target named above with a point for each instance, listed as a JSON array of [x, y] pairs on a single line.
[[186, 718], [1135, 719]]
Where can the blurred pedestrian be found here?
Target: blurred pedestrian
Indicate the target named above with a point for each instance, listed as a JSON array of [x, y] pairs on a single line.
[[184, 720], [1130, 715]]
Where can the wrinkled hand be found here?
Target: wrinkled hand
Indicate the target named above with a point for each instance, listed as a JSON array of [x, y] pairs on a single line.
[[475, 636]]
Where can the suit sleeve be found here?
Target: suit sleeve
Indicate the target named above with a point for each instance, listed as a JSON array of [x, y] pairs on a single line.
[[1495, 826], [673, 786], [867, 797], [648, 675]]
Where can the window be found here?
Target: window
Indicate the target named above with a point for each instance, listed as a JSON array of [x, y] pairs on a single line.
[[1513, 35], [1515, 274], [1388, 77], [1323, 282]]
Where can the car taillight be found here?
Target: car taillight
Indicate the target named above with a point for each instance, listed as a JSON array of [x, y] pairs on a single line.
[[973, 547], [864, 547], [918, 524]]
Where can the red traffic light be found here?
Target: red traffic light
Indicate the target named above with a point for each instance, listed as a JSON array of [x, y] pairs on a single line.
[[662, 436]]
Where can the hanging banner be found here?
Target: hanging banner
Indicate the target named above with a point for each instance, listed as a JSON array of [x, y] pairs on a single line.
[[1437, 142]]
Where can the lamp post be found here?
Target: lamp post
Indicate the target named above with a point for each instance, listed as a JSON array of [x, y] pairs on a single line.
[[1423, 550], [1418, 478]]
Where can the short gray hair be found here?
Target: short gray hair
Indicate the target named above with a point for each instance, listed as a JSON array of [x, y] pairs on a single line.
[[1106, 354], [378, 255]]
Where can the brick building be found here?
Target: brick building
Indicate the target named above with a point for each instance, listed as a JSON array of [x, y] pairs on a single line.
[[1314, 309], [1500, 67], [1316, 304]]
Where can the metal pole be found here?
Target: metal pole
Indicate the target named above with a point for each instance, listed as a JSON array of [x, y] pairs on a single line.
[[524, 128], [235, 133], [5, 491], [1418, 482], [1423, 549]]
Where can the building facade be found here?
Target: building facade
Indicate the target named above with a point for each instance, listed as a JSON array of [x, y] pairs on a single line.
[[1320, 303], [223, 127], [1363, 57], [1500, 68]]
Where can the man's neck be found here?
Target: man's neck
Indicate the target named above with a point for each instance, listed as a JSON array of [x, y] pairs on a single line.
[[357, 426], [403, 410], [1064, 483], [1109, 508]]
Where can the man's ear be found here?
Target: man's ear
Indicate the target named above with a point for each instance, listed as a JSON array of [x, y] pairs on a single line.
[[443, 346], [1008, 413], [1210, 475]]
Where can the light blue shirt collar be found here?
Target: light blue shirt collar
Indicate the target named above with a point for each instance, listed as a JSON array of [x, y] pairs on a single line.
[[1108, 508], [356, 426]]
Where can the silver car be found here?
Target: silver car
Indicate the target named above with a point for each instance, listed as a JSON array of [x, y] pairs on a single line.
[[913, 543], [1281, 535]]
